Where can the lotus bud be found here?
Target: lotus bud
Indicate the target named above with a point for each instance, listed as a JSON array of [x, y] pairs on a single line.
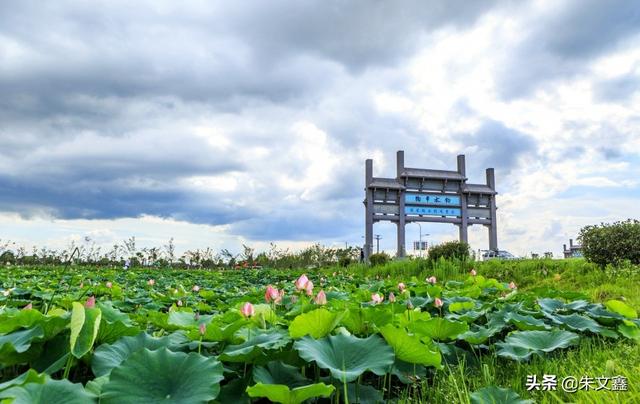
[[321, 298], [90, 303], [437, 302], [202, 328], [392, 297], [401, 287], [377, 298], [247, 310], [109, 285], [309, 288], [195, 288], [302, 281], [473, 272], [432, 280]]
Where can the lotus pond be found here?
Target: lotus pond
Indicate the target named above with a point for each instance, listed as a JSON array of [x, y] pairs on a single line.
[[82, 335]]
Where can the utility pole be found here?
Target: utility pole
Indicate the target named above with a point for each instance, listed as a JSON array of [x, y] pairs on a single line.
[[377, 237]]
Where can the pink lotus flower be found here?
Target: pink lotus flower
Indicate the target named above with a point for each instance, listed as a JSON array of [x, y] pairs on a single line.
[[377, 298], [512, 286], [90, 303], [401, 287], [302, 281], [432, 280], [247, 310], [151, 282], [202, 328], [321, 298], [272, 295], [473, 272], [309, 288], [392, 297], [109, 285], [196, 288], [28, 307], [179, 303], [437, 302]]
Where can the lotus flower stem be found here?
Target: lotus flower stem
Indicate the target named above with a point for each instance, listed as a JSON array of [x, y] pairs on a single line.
[[67, 367]]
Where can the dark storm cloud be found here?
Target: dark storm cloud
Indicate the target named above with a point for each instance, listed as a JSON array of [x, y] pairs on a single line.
[[562, 42], [497, 146], [98, 101], [329, 220]]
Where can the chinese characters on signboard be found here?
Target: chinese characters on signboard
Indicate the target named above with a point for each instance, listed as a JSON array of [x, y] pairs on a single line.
[[415, 210], [432, 199]]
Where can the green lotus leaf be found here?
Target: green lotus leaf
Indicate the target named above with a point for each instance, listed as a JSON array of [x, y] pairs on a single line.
[[51, 392], [84, 325], [279, 393], [110, 332], [461, 306], [362, 320], [622, 308], [234, 392], [536, 342], [550, 305], [439, 328], [514, 352], [495, 395], [14, 319], [600, 314], [256, 346], [479, 335], [30, 376], [527, 322], [163, 376], [112, 314], [409, 348], [276, 372], [317, 323], [95, 386], [186, 319], [263, 312], [19, 341], [577, 322], [346, 356], [109, 356], [468, 316], [629, 330], [407, 317]]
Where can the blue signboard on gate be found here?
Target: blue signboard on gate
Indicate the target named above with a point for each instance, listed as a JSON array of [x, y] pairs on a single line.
[[432, 199], [418, 210]]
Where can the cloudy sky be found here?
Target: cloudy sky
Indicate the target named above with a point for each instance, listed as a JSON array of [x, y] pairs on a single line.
[[221, 123]]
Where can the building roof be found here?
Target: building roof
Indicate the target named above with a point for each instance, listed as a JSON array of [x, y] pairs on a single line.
[[435, 174], [389, 183], [478, 189]]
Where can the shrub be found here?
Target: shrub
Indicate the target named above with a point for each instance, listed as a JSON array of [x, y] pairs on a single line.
[[450, 249], [611, 243], [379, 259]]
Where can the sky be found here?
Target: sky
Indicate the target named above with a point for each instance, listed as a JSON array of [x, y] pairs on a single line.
[[229, 123]]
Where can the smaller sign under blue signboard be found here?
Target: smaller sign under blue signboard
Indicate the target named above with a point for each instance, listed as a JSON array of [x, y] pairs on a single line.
[[417, 210], [432, 199]]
